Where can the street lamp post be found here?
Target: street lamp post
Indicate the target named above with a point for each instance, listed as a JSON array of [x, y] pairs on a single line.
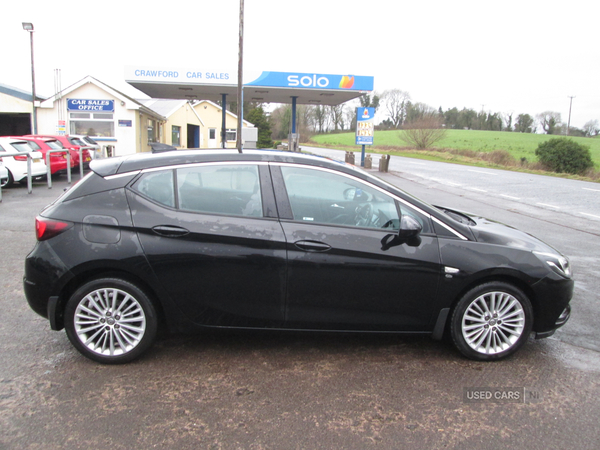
[[28, 26], [570, 105]]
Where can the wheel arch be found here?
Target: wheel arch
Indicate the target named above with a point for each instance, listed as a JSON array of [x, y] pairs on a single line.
[[89, 275], [490, 278]]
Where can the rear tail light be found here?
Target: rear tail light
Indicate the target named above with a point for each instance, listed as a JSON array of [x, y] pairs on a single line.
[[20, 158], [48, 228]]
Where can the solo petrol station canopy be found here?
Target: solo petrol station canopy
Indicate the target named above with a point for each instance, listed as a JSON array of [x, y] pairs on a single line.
[[265, 87]]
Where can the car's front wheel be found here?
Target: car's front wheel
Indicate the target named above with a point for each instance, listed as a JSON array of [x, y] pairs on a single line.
[[110, 320], [491, 321]]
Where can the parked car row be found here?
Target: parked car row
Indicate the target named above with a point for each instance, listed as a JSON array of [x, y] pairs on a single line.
[[39, 146]]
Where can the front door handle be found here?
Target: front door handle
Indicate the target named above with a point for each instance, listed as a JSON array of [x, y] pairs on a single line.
[[170, 231], [312, 246]]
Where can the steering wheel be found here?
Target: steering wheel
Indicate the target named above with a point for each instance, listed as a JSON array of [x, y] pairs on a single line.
[[364, 215]]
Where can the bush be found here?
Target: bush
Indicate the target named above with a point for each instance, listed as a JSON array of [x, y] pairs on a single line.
[[564, 156]]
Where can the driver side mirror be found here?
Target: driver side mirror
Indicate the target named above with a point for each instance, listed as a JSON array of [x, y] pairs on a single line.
[[408, 234], [409, 228]]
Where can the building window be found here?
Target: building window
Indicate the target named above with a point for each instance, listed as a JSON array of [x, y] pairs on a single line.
[[152, 131], [176, 136], [231, 134], [92, 124]]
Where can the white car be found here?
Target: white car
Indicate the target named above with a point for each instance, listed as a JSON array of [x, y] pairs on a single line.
[[3, 173], [17, 165]]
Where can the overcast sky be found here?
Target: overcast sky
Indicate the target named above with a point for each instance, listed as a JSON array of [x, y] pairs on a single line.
[[523, 56]]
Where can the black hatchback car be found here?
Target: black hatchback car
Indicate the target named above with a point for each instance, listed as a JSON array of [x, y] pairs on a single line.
[[275, 240]]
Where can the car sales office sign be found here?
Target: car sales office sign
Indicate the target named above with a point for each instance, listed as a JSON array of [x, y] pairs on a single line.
[[365, 126], [85, 104]]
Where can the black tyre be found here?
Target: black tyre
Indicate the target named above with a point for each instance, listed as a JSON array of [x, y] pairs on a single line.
[[110, 320], [8, 181], [491, 321]]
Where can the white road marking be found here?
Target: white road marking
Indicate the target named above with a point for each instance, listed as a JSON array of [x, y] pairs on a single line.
[[477, 189], [508, 196], [591, 215], [482, 171], [437, 180], [588, 189], [549, 206]]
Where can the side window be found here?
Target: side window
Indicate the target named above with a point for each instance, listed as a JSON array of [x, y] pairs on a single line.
[[323, 197], [157, 186], [226, 189]]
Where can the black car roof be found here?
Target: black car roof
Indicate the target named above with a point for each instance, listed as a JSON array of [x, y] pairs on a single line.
[[140, 161]]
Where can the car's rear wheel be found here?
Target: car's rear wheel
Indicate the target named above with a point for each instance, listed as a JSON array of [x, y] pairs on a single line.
[[491, 321], [110, 320], [8, 181]]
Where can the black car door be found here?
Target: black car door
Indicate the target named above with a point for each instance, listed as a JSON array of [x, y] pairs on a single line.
[[346, 269], [208, 237]]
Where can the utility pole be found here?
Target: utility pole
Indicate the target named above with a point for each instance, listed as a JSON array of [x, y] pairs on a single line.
[[570, 104], [240, 96], [28, 26]]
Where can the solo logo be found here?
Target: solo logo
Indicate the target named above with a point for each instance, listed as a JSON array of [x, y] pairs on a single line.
[[307, 81]]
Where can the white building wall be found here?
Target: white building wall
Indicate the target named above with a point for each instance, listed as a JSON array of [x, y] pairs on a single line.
[[125, 140]]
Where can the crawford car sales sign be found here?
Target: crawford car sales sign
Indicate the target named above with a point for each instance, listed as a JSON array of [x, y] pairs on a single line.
[[86, 104]]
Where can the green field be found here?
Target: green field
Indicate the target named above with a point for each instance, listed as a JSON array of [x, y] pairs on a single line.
[[519, 145]]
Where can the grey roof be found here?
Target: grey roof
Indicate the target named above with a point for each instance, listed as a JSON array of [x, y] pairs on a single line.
[[18, 93], [164, 107]]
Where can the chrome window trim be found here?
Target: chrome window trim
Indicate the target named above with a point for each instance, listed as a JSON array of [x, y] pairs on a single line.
[[121, 175], [449, 228]]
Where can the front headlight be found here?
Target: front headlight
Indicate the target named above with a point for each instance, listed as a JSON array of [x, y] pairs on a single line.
[[556, 262]]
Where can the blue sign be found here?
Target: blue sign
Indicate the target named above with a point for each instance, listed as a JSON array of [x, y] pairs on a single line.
[[84, 104], [365, 126], [313, 81]]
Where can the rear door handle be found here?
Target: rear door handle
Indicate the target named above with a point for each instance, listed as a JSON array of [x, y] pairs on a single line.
[[312, 246], [170, 231]]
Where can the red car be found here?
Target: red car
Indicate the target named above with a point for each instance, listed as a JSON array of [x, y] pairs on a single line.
[[58, 161], [74, 149]]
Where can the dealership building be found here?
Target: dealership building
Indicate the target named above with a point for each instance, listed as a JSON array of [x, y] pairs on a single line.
[[183, 109]]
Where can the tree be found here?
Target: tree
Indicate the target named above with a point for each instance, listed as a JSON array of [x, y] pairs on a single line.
[[451, 117], [467, 119], [280, 120], [395, 102], [418, 111], [591, 128], [423, 132], [320, 117], [549, 121], [336, 115], [524, 123], [564, 155], [369, 101], [350, 116], [508, 118], [259, 119]]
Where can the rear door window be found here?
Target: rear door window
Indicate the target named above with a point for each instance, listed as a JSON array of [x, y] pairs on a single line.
[[220, 189]]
